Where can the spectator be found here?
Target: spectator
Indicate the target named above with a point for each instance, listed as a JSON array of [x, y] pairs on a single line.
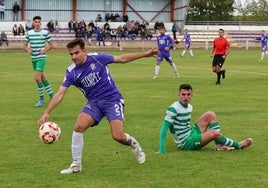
[[15, 10], [15, 30], [133, 33], [83, 33], [57, 27], [75, 26], [125, 18], [99, 18], [101, 37], [70, 26], [3, 38], [82, 24], [106, 26], [113, 34], [120, 32], [2, 10], [112, 17], [117, 18], [28, 25], [50, 26], [142, 33], [148, 34], [77, 33], [21, 30], [91, 25], [107, 17], [175, 29]]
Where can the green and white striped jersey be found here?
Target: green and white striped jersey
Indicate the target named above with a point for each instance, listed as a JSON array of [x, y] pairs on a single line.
[[37, 41], [179, 116]]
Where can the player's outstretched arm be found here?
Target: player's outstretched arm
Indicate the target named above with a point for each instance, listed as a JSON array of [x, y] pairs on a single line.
[[57, 98], [124, 58]]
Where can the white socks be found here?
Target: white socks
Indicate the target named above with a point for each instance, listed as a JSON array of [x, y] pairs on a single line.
[[77, 147], [156, 70]]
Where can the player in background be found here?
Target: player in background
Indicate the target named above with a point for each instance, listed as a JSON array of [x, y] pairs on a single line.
[[264, 39], [187, 46], [220, 50], [90, 74], [35, 45], [164, 43], [198, 135]]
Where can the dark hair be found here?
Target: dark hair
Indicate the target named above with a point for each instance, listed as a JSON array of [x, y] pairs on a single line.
[[221, 30], [37, 18], [185, 86], [162, 27], [76, 42]]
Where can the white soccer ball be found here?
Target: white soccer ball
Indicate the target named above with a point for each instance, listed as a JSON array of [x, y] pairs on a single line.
[[49, 132]]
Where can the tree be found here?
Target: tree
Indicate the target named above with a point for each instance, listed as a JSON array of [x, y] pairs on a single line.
[[210, 10], [252, 10]]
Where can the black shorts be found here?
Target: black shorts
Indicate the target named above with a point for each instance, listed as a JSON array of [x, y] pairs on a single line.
[[218, 60]]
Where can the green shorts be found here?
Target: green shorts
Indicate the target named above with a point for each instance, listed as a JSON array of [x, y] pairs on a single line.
[[39, 65], [194, 140]]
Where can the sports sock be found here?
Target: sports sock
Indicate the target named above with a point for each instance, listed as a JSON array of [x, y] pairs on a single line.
[[183, 52], [214, 126], [40, 90], [174, 68], [131, 141], [157, 69], [218, 76], [77, 147], [191, 53], [262, 55], [48, 89], [228, 142]]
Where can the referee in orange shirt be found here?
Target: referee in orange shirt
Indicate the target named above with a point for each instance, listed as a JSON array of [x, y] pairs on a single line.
[[221, 49]]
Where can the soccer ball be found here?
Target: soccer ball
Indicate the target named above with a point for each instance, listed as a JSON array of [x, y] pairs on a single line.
[[49, 132]]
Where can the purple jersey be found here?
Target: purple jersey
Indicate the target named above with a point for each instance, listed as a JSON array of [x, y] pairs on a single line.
[[264, 38], [164, 41], [93, 77], [187, 38]]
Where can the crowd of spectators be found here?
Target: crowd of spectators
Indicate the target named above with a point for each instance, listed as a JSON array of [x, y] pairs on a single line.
[[53, 27], [18, 30], [131, 30]]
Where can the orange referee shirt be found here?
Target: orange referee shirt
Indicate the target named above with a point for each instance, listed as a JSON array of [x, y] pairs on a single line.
[[220, 45]]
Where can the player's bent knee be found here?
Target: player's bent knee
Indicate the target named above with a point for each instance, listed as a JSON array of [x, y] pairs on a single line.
[[210, 114]]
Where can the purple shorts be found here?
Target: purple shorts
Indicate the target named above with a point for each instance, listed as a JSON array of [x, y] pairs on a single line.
[[167, 57], [112, 109]]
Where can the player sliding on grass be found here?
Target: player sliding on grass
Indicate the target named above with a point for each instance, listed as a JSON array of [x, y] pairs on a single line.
[[90, 74], [205, 130]]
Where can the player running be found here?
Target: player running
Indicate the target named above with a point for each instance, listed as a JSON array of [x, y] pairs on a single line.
[[164, 42], [90, 74], [264, 39], [187, 46]]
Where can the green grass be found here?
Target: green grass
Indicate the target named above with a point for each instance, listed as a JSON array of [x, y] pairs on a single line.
[[240, 103]]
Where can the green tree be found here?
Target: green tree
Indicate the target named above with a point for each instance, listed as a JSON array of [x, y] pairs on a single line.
[[252, 10], [210, 10]]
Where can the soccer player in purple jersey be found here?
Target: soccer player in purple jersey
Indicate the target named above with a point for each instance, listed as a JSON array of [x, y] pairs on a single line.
[[164, 43], [90, 74], [264, 39], [187, 46]]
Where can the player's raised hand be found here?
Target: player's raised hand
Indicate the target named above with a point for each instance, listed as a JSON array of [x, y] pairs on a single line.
[[152, 52]]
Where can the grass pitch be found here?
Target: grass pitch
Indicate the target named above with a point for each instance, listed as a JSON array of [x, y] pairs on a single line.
[[240, 103]]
